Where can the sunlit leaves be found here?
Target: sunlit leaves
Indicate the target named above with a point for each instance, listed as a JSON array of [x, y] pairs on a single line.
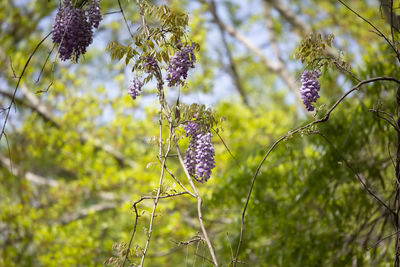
[[157, 41]]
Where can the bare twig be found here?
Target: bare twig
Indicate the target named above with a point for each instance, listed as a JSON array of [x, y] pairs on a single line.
[[160, 197], [397, 186], [358, 176], [12, 68], [126, 22], [391, 24], [374, 27], [227, 148], [112, 12], [391, 16], [45, 62], [391, 120], [382, 239], [164, 159], [204, 258], [18, 83], [176, 180], [134, 207]]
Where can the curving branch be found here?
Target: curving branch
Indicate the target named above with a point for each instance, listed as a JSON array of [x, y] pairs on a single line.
[[135, 209], [391, 17], [176, 180], [379, 32], [324, 118], [164, 159], [8, 109], [29, 105], [397, 184], [121, 10]]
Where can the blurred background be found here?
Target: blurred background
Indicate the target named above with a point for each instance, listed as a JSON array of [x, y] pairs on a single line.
[[75, 157]]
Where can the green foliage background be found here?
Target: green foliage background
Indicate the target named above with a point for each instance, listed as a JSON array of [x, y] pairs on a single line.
[[307, 208]]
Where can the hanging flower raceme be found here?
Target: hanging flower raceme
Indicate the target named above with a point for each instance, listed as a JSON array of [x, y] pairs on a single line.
[[310, 88], [72, 29], [199, 158], [204, 157], [150, 64], [192, 131], [135, 88], [179, 65], [94, 14]]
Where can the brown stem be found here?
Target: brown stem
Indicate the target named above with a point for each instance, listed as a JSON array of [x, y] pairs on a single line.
[[379, 32], [199, 204], [123, 15], [397, 198], [164, 159], [18, 83]]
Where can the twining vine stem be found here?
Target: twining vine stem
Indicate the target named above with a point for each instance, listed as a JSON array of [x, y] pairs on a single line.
[[297, 130], [375, 28], [18, 83], [393, 46], [397, 185], [126, 22], [163, 158], [199, 205], [134, 207]]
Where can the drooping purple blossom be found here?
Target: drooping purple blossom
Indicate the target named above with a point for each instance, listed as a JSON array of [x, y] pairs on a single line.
[[94, 14], [135, 88], [204, 157], [199, 158], [179, 65], [310, 88], [192, 131], [150, 64], [72, 29], [190, 157]]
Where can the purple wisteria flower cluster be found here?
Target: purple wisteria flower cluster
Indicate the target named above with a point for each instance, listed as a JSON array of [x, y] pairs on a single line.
[[309, 88], [150, 64], [94, 14], [179, 65], [135, 88], [73, 28], [199, 158]]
